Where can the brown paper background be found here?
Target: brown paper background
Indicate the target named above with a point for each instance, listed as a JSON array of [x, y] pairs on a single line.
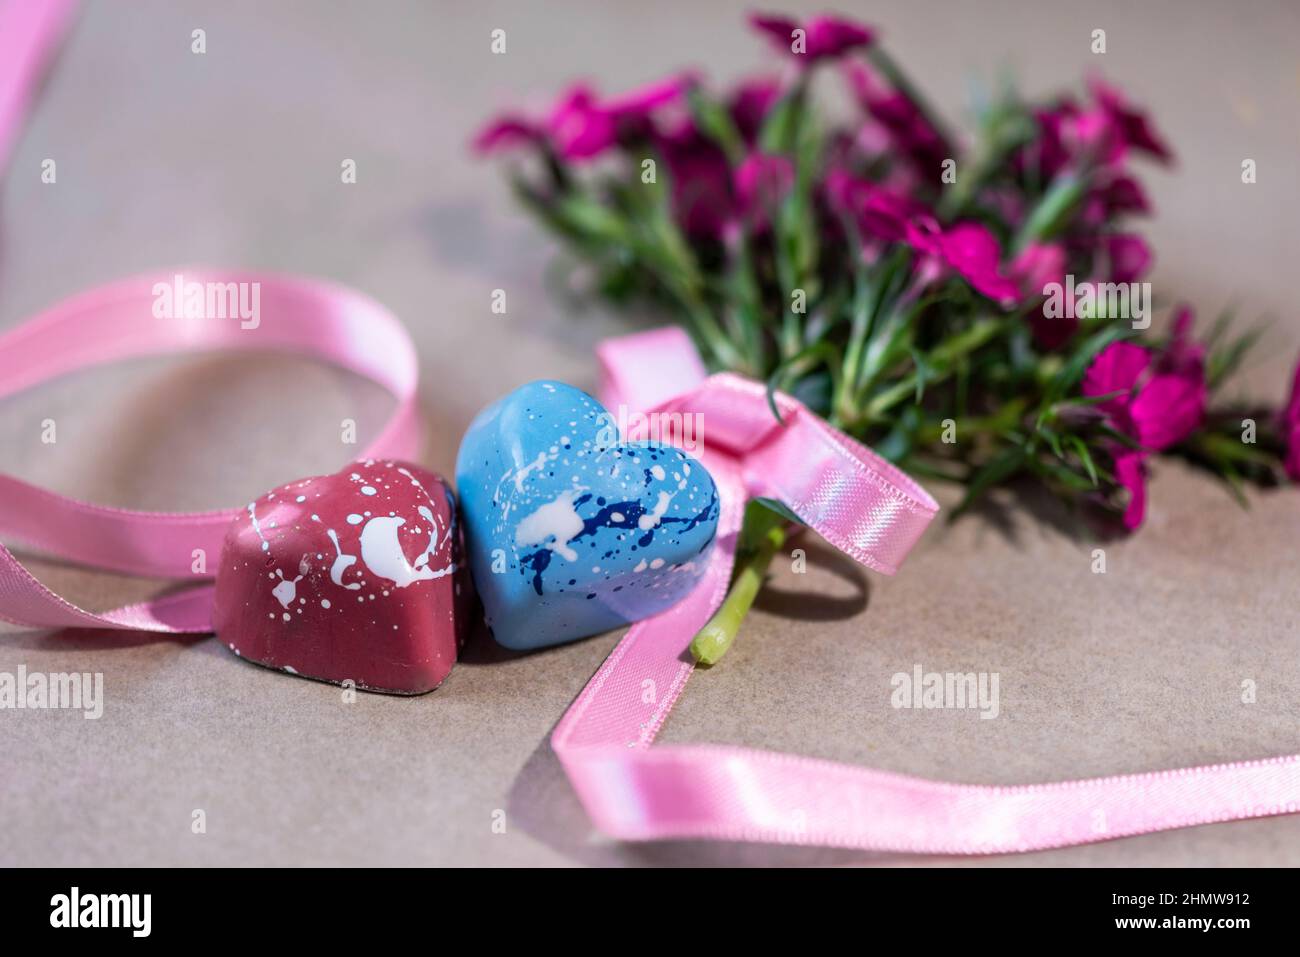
[[232, 158]]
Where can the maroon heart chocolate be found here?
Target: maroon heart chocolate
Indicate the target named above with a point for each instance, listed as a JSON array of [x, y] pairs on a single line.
[[356, 576]]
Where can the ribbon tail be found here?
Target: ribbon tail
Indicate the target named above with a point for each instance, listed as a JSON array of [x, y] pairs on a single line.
[[24, 601], [729, 793], [627, 701], [632, 791], [875, 513]]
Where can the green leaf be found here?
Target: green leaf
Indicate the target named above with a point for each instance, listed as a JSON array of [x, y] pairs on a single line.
[[780, 131], [1081, 450], [889, 343], [1066, 476], [1224, 450], [1053, 440], [923, 372], [799, 366], [1094, 399], [588, 216], [714, 121], [779, 507], [1053, 212]]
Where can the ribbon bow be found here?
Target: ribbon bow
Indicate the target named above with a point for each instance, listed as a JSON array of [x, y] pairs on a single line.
[[852, 497], [873, 512]]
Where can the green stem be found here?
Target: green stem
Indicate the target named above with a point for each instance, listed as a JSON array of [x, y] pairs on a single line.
[[748, 303], [1052, 212], [707, 327], [761, 536], [863, 311], [942, 360], [872, 289], [1002, 419]]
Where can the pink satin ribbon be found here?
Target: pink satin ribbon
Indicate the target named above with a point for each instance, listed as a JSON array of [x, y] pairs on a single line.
[[874, 513], [855, 500], [304, 316]]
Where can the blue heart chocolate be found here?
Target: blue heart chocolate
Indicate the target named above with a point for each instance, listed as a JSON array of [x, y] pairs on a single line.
[[570, 531]]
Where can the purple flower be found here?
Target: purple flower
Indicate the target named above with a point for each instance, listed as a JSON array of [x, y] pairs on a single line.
[[1163, 397], [821, 38], [1101, 134], [1116, 369], [581, 126], [749, 104], [702, 197], [1073, 135], [1092, 132], [508, 132], [968, 249], [879, 212], [1049, 153], [761, 182], [1123, 194], [644, 100], [1131, 474], [910, 133], [1038, 265], [1114, 195], [1162, 401], [1133, 126], [1167, 409], [1129, 256]]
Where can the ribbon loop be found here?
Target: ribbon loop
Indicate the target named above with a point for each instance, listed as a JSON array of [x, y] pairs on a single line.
[[119, 321], [731, 414], [857, 501], [644, 370]]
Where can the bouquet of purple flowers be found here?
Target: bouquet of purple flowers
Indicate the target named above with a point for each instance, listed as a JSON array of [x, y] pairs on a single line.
[[975, 311]]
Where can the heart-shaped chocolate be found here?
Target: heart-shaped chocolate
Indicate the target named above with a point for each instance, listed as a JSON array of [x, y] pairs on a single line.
[[569, 531], [353, 576]]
